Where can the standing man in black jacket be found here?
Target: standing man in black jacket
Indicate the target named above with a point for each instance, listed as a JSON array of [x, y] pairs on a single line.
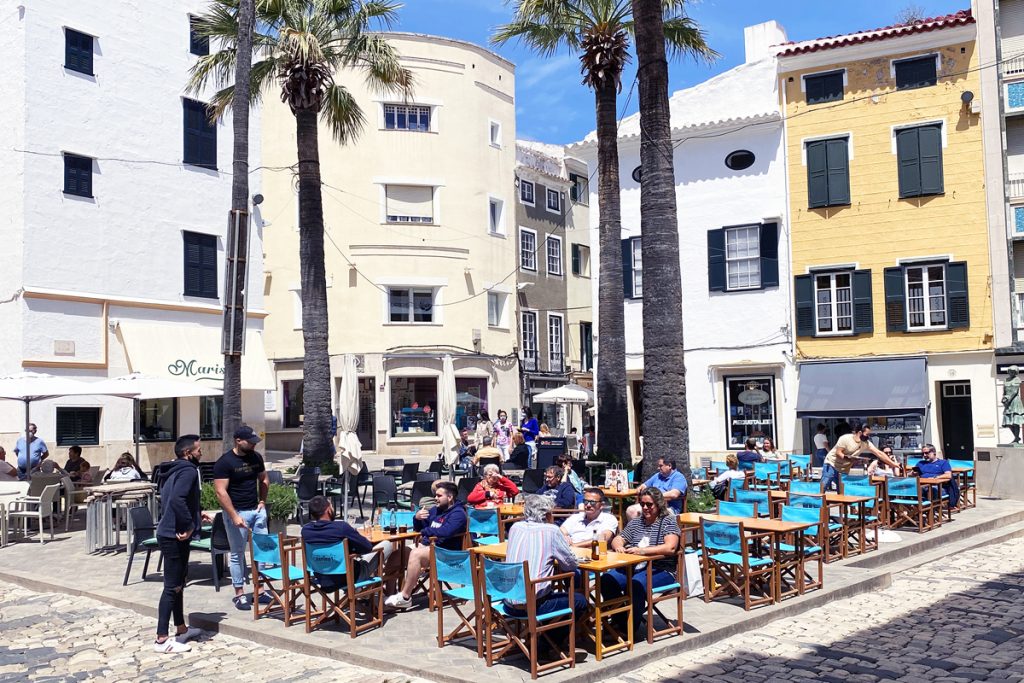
[[180, 494]]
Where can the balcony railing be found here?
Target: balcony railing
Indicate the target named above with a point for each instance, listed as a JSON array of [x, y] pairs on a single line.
[[1016, 189], [1014, 66], [529, 361]]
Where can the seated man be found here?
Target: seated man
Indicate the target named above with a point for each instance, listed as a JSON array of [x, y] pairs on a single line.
[[466, 450], [583, 527], [487, 453], [669, 481], [493, 490], [8, 472], [444, 524], [934, 467], [325, 529], [749, 455], [561, 492], [76, 463]]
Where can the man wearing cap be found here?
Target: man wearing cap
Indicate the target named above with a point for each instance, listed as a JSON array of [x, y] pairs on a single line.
[[241, 482]]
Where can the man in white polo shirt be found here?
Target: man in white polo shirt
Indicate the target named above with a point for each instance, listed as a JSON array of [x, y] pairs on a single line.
[[580, 528]]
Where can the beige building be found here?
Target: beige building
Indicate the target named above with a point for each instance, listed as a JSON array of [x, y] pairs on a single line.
[[420, 249]]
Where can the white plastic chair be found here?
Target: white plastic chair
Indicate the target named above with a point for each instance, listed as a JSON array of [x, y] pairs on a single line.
[[38, 509]]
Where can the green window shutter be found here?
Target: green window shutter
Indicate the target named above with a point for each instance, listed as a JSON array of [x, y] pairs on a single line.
[[908, 159], [838, 172], [627, 268], [930, 153], [769, 255], [716, 260], [817, 174], [895, 301], [957, 309], [803, 292], [863, 315]]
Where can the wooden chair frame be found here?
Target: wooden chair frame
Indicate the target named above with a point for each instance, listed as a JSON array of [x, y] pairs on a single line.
[[442, 596], [738, 580], [675, 591], [333, 606], [283, 598], [920, 513], [798, 566]]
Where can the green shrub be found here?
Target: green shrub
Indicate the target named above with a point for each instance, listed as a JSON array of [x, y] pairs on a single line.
[[208, 498], [281, 501], [701, 501], [329, 468]]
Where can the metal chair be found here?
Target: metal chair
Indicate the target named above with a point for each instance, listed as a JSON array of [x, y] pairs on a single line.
[[533, 480], [384, 492], [141, 537], [39, 509], [466, 486]]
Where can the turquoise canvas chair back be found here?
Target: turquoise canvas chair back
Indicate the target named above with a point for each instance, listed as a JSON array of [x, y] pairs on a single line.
[[856, 480], [785, 469], [404, 518], [483, 522], [746, 465], [759, 498], [766, 470], [962, 464], [719, 465], [453, 566], [901, 487], [802, 516], [805, 501], [728, 509], [805, 487], [801, 461], [734, 486], [326, 558], [866, 490], [911, 462], [723, 536], [699, 472], [265, 549], [504, 581]]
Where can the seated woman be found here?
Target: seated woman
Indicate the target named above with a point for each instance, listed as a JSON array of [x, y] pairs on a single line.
[[126, 470], [654, 532], [720, 484], [877, 468], [520, 456], [769, 451], [493, 490], [544, 429], [564, 463]]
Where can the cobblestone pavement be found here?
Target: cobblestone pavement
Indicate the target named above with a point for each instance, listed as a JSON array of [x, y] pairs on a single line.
[[50, 637], [956, 620]]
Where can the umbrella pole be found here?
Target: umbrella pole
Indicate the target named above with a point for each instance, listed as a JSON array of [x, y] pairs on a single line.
[[28, 448], [138, 426], [344, 488]]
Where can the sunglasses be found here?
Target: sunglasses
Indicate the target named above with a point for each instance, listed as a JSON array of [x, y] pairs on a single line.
[[591, 502], [647, 505]]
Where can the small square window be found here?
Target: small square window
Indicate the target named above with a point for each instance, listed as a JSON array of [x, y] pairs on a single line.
[[78, 51], [823, 88], [496, 309], [495, 133], [77, 175], [918, 72], [410, 305], [197, 44], [554, 200], [496, 216], [78, 426], [526, 192]]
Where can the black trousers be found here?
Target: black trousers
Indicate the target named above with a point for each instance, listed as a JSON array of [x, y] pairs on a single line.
[[175, 554]]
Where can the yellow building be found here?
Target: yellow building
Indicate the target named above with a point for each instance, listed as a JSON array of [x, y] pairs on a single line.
[[889, 234]]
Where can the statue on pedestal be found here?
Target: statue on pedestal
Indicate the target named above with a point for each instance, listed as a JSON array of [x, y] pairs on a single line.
[[1013, 407]]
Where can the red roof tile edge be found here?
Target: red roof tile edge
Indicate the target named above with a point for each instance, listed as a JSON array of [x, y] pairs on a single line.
[[961, 18]]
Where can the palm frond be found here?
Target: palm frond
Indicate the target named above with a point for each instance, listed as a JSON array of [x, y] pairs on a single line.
[[341, 113], [683, 37], [380, 61], [262, 75]]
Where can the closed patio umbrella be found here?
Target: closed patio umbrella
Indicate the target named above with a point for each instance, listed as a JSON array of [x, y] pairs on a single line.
[[446, 406], [348, 423]]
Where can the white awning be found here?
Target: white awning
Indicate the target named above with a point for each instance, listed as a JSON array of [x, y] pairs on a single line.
[[191, 352]]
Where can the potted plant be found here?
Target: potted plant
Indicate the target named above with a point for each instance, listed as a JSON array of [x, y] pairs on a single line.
[[282, 501]]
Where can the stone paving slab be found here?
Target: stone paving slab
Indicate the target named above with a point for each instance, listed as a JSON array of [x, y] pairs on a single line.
[[406, 643]]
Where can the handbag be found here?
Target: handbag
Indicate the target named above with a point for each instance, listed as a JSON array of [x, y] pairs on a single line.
[[694, 579]]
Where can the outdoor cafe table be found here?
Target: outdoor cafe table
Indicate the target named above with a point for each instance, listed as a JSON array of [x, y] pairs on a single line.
[[377, 535], [844, 503], [619, 498], [604, 609], [99, 510]]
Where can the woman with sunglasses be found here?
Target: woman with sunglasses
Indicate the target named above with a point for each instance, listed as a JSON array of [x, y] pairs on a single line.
[[877, 468], [656, 533]]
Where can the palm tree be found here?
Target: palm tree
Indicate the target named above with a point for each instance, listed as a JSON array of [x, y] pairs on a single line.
[[301, 44], [599, 30], [667, 431]]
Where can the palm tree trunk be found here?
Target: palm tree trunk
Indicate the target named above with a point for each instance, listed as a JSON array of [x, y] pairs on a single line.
[[316, 365], [666, 430], [234, 309], [612, 415]]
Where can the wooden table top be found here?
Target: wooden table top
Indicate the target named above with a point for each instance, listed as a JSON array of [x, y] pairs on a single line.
[[692, 519], [377, 535], [624, 493], [610, 560], [830, 497], [117, 486], [511, 509]]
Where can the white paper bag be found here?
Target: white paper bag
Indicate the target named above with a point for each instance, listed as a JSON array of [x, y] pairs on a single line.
[[694, 579]]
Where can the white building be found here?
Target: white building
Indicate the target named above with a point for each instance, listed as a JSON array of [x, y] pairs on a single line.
[[116, 196], [730, 177]]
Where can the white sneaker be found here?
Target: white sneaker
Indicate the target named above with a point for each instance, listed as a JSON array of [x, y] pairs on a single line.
[[191, 634], [171, 647], [398, 601]]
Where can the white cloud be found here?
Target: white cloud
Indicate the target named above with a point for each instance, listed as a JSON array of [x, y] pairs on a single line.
[[537, 70]]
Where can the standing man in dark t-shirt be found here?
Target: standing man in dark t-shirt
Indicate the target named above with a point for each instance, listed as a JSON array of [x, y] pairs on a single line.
[[241, 482]]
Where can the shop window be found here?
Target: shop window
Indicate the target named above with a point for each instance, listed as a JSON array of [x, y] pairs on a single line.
[[211, 417], [78, 426], [291, 391], [413, 406], [470, 399], [158, 419], [750, 406]]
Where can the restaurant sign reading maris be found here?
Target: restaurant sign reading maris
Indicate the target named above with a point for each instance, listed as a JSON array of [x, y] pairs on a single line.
[[193, 369]]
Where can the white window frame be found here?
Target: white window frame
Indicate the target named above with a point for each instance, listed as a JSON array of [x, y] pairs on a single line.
[[582, 188], [497, 229], [552, 351], [412, 290], [804, 77], [502, 302], [926, 298], [737, 259], [492, 137], [407, 106], [533, 192], [386, 217], [584, 249], [548, 194], [1006, 96], [525, 314], [833, 303], [638, 286], [913, 58], [548, 242], [296, 297], [522, 266]]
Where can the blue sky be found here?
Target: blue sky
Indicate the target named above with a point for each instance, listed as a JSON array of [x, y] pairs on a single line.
[[552, 105]]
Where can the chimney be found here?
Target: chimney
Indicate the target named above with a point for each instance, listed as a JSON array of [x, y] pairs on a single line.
[[759, 39]]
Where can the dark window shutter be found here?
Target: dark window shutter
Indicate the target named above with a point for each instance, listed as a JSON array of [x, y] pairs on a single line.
[[197, 44], [930, 152], [908, 158], [78, 426], [815, 89], [200, 143], [915, 73], [803, 291], [627, 268], [895, 301], [838, 172], [957, 309], [824, 87], [200, 265], [817, 174], [769, 255], [78, 51], [77, 175], [716, 260], [863, 316], [576, 267]]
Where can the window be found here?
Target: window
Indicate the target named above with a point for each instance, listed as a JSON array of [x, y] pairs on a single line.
[[823, 88], [470, 399], [918, 72], [740, 160], [586, 347], [200, 265], [1018, 220], [496, 309], [410, 305], [200, 135], [632, 269], [834, 298], [496, 216], [158, 419], [291, 391], [527, 249], [931, 296], [494, 132], [409, 203], [743, 257], [828, 173], [638, 174], [296, 308], [750, 409], [78, 426], [830, 304], [526, 192], [581, 260], [77, 52], [77, 175], [919, 160], [554, 251], [1015, 96], [554, 200], [197, 44], [407, 117], [579, 191], [211, 417], [413, 406], [556, 357], [529, 325]]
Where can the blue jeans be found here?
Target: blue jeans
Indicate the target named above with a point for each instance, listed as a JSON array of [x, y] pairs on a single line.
[[613, 585], [830, 477], [819, 457], [238, 538]]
